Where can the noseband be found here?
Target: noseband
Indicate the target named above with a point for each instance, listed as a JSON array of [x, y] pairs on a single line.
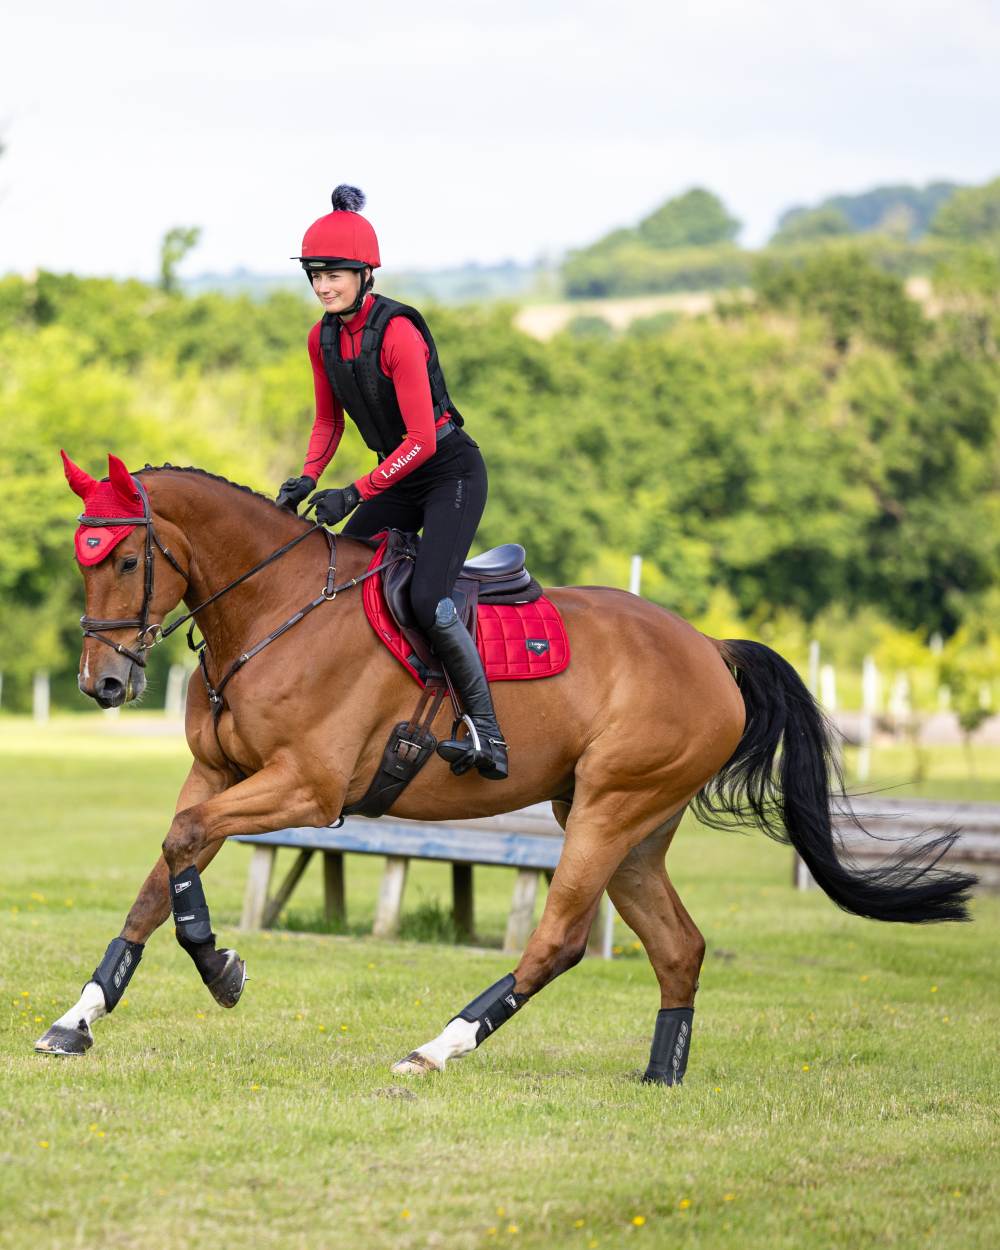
[[90, 625]]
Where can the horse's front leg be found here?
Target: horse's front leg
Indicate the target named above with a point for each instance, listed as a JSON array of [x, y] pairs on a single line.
[[273, 798], [71, 1033]]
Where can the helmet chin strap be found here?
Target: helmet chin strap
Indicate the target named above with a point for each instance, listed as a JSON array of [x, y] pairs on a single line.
[[364, 286]]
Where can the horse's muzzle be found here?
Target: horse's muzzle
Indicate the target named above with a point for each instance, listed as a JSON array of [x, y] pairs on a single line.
[[112, 689], [110, 692]]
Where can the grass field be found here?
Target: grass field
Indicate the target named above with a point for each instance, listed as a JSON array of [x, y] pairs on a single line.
[[842, 1089]]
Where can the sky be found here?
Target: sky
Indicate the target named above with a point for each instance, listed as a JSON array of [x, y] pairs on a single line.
[[479, 131]]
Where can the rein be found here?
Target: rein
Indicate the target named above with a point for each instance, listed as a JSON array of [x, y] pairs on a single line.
[[150, 635]]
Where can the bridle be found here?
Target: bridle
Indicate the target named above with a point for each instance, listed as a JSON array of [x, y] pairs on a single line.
[[91, 625]]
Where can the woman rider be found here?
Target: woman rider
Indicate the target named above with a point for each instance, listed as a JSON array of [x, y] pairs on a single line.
[[376, 359]]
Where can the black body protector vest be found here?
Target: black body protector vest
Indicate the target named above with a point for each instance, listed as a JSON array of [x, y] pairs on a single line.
[[361, 386]]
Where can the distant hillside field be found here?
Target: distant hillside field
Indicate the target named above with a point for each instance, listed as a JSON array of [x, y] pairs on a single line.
[[542, 321]]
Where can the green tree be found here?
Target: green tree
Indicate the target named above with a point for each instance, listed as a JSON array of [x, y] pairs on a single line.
[[176, 244], [695, 219], [854, 297], [811, 226], [971, 215], [883, 208], [971, 668]]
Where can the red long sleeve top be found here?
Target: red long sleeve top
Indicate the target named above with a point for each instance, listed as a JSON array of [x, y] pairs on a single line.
[[404, 359]]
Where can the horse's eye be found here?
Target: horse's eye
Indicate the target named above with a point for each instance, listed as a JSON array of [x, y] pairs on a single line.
[[130, 564]]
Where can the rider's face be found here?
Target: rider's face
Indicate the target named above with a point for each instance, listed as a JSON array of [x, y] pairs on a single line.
[[336, 289]]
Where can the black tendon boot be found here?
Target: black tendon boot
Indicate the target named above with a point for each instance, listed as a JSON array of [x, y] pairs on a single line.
[[484, 747]]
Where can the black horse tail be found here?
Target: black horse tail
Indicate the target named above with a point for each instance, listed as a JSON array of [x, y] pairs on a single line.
[[792, 801]]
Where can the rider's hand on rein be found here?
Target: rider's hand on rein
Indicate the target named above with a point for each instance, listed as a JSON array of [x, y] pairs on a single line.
[[333, 505], [294, 490]]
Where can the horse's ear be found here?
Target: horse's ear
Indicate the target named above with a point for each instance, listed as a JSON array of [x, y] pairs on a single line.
[[120, 477], [80, 482]]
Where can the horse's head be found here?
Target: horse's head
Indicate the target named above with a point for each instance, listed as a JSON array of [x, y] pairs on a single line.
[[131, 582]]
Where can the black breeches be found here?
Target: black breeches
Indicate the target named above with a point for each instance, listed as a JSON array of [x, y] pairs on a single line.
[[445, 497]]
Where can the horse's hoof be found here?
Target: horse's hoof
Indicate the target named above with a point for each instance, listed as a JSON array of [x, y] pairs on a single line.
[[653, 1076], [62, 1041], [228, 985], [415, 1064]]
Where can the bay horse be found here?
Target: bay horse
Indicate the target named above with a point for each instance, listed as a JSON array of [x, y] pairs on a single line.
[[649, 717]]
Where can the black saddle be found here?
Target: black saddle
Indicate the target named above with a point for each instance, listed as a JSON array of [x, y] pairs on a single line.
[[497, 576]]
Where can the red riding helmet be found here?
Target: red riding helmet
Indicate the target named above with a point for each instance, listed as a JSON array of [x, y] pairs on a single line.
[[342, 239]]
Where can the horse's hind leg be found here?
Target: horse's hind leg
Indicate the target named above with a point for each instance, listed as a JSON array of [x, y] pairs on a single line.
[[599, 834], [70, 1034], [647, 902]]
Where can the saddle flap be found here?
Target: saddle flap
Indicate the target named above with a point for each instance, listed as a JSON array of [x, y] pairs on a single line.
[[396, 585]]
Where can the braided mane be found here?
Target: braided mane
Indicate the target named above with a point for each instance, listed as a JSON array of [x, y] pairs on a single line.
[[215, 477]]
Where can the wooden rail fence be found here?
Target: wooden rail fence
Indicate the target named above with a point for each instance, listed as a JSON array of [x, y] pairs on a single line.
[[894, 821]]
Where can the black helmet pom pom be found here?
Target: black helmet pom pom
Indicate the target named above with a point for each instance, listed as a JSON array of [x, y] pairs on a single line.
[[347, 199]]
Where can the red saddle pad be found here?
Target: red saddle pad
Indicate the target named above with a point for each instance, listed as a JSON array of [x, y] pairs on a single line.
[[517, 641]]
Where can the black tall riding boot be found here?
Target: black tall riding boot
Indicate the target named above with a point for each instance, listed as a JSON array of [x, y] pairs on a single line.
[[484, 747]]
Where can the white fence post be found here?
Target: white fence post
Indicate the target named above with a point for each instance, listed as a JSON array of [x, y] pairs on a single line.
[[40, 696], [635, 575], [813, 679], [172, 704], [869, 708]]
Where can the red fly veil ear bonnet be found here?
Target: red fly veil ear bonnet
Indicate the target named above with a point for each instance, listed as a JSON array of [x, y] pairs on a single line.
[[116, 496]]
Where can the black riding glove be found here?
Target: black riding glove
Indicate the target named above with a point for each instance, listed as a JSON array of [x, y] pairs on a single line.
[[294, 491], [333, 505]]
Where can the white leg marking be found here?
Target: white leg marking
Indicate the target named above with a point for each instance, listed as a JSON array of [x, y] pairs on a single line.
[[456, 1040], [89, 1008]]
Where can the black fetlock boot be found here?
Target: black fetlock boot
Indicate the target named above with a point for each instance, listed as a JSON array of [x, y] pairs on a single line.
[[484, 748]]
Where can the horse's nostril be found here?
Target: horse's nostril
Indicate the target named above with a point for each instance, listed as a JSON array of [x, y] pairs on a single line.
[[109, 692]]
